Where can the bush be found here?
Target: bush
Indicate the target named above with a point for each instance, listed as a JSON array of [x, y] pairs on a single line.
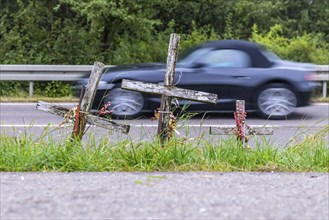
[[310, 48], [55, 89], [13, 88], [151, 46]]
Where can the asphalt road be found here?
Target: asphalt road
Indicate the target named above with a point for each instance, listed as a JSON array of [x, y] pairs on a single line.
[[26, 113], [288, 196], [187, 195], [23, 117]]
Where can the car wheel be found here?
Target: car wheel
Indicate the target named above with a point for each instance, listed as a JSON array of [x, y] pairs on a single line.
[[124, 103], [276, 101]]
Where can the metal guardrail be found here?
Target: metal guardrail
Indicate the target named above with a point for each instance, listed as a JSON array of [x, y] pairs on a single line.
[[33, 73], [43, 72], [323, 76]]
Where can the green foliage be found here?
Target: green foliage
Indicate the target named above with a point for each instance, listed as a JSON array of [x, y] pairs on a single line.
[[142, 48], [14, 89], [197, 36], [118, 31], [134, 31], [305, 48], [46, 89], [31, 153], [55, 89]]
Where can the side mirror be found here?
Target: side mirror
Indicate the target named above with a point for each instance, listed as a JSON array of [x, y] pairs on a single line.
[[198, 65]]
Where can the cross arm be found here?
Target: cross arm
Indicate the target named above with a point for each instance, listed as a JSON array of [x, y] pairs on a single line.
[[169, 91], [253, 130], [51, 108], [90, 119], [107, 124]]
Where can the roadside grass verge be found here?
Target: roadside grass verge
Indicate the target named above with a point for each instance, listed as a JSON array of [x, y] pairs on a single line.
[[25, 154], [322, 99], [35, 98], [38, 98]]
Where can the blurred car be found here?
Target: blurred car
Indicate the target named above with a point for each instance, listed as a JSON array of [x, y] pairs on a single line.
[[232, 69]]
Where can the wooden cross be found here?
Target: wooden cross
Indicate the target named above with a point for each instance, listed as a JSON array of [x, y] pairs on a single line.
[[241, 129], [80, 115], [168, 91]]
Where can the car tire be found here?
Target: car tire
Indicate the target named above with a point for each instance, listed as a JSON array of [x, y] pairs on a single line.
[[125, 104], [276, 101]]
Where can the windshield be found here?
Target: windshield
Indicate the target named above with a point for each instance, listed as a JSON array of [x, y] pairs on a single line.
[[192, 55], [270, 56]]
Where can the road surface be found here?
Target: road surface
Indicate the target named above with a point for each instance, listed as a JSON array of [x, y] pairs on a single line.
[[15, 117], [185, 195], [190, 195]]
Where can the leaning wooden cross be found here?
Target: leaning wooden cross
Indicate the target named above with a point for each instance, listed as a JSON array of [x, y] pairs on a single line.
[[80, 115], [241, 129], [168, 91]]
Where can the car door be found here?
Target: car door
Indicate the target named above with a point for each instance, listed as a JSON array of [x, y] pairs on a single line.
[[225, 72]]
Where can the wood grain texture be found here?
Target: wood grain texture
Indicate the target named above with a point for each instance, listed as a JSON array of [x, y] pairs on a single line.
[[169, 91], [90, 119]]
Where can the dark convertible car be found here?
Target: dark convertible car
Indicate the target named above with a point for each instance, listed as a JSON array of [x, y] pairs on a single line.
[[232, 69]]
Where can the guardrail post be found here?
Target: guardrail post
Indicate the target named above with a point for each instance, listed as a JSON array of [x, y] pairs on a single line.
[[30, 88], [324, 89]]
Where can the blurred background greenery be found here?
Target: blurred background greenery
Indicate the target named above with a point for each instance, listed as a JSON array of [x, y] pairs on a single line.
[[134, 31]]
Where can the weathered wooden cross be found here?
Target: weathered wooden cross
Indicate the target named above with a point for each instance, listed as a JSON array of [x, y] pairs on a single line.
[[241, 129], [168, 91], [80, 114]]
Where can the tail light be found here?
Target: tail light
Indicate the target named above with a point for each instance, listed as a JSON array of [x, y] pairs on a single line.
[[310, 76]]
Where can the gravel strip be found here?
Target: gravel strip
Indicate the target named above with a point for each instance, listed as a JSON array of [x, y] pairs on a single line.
[[188, 195]]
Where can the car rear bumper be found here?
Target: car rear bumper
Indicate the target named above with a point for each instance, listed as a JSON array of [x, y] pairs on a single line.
[[304, 98], [306, 91]]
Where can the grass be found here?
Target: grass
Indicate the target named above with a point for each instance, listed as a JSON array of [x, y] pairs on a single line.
[[25, 153], [26, 98], [38, 98], [321, 99]]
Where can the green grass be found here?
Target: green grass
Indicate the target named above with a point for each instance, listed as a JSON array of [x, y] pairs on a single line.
[[25, 153], [26, 98], [38, 98], [322, 99]]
